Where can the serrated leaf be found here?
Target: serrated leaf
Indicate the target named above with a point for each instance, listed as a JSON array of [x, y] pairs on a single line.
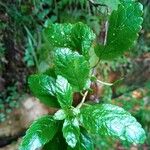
[[112, 4], [124, 25], [39, 133], [73, 67], [110, 120], [43, 87], [64, 92], [58, 35], [77, 36], [82, 37], [71, 131]]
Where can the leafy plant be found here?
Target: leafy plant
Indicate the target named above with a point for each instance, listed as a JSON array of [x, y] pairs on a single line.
[[2, 48], [9, 99], [72, 73]]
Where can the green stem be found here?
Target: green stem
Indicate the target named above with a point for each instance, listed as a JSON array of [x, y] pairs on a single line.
[[81, 93], [83, 100]]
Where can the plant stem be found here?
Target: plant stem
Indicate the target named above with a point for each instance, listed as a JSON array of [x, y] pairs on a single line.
[[106, 32], [81, 93], [83, 99], [104, 83], [86, 104]]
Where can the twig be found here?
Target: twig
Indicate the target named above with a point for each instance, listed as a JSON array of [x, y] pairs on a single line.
[[106, 32], [104, 83], [86, 104], [83, 99]]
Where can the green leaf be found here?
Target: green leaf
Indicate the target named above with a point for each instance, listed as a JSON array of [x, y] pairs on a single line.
[[64, 92], [42, 83], [77, 36], [43, 87], [93, 58], [73, 67], [50, 72], [112, 4], [82, 37], [124, 25], [57, 143], [58, 35], [39, 133], [110, 120], [53, 145], [86, 142], [60, 115], [71, 131]]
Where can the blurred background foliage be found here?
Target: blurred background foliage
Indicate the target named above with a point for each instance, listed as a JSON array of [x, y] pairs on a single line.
[[23, 51]]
